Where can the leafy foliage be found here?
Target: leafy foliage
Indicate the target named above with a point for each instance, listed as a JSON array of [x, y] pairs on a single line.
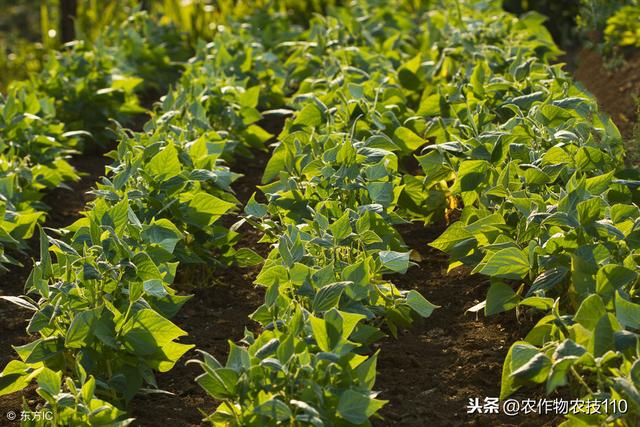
[[503, 139], [549, 214], [623, 27], [33, 158], [97, 83], [80, 90]]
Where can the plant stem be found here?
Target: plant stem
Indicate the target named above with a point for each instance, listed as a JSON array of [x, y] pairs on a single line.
[[581, 380]]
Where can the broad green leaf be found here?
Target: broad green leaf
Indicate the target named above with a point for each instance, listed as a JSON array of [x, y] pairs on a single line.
[[219, 383], [246, 257], [471, 174], [540, 303], [548, 279], [517, 356], [275, 409], [381, 192], [341, 229], [558, 373], [238, 359], [452, 236], [320, 333], [356, 407], [165, 164], [80, 329], [50, 381], [163, 233], [568, 348], [254, 208], [603, 339], [271, 275], [154, 288], [611, 277], [328, 296], [203, 209], [411, 142], [309, 116], [590, 312], [535, 369], [275, 165], [627, 312], [500, 297], [150, 335], [16, 376], [395, 261], [509, 263], [419, 304]]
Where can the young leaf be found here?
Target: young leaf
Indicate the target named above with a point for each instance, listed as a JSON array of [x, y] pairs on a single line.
[[508, 263]]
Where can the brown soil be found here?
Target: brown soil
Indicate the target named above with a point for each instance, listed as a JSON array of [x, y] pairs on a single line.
[[251, 170], [615, 89], [217, 313], [13, 322], [432, 370]]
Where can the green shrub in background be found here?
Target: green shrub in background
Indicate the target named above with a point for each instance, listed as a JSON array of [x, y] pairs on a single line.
[[612, 25], [593, 14], [623, 28], [20, 50], [28, 32], [562, 16]]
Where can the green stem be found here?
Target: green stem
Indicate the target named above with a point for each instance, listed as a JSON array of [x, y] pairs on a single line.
[[459, 12], [581, 380]]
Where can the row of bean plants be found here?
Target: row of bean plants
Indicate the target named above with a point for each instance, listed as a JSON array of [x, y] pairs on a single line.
[[334, 192], [550, 214], [101, 292], [505, 138], [68, 107], [547, 214]]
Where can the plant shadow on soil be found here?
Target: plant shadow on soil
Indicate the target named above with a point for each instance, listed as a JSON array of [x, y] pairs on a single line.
[[430, 371], [427, 374]]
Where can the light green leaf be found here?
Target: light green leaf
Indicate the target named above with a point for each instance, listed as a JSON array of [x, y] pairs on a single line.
[[275, 409], [500, 297], [328, 296], [508, 263], [395, 261], [246, 257], [419, 304], [357, 407]]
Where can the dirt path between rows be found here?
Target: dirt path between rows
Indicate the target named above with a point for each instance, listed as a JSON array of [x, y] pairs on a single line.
[[618, 93], [432, 370], [218, 313]]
